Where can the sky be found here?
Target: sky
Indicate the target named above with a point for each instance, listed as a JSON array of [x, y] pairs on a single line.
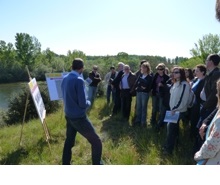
[[167, 28]]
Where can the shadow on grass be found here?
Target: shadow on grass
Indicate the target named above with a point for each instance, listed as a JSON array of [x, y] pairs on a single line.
[[40, 145], [106, 110], [115, 128], [146, 139], [14, 157]]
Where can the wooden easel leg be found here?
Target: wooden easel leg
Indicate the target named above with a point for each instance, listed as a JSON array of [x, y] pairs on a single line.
[[46, 134], [25, 111]]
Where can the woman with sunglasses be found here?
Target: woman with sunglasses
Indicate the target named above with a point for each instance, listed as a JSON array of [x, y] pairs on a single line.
[[179, 94], [159, 81]]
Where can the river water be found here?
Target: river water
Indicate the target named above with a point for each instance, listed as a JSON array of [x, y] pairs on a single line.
[[6, 91]]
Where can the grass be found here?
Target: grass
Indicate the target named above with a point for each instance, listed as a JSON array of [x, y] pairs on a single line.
[[122, 144]]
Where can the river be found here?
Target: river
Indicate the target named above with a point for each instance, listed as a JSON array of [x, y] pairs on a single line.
[[6, 91]]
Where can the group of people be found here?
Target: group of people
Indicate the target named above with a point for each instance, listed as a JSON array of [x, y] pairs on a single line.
[[169, 91]]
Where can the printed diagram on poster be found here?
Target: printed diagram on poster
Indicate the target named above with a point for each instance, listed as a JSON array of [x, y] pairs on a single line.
[[54, 81], [38, 101]]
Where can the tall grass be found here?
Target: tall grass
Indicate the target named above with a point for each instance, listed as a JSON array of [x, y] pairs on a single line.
[[122, 143]]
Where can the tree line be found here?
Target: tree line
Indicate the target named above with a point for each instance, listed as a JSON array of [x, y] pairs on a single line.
[[26, 51]]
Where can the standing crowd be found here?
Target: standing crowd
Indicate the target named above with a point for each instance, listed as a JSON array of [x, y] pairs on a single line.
[[192, 94]]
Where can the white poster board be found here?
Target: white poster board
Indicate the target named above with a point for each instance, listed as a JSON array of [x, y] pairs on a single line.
[[54, 81], [38, 101]]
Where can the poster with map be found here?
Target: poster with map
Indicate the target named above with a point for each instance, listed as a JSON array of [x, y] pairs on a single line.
[[54, 81]]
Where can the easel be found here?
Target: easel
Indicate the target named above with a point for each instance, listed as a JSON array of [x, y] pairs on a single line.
[[46, 131], [45, 128]]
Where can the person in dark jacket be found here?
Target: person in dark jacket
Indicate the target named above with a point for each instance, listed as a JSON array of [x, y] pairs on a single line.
[[197, 87], [165, 102], [126, 85], [159, 80], [137, 74], [95, 79], [143, 87], [208, 95], [115, 86]]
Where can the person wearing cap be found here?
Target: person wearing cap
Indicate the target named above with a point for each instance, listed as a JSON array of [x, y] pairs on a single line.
[[95, 79], [109, 77], [75, 106]]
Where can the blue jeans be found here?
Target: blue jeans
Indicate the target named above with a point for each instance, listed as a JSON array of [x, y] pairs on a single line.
[[156, 108], [85, 128], [92, 94], [141, 107], [163, 110], [109, 92], [173, 133]]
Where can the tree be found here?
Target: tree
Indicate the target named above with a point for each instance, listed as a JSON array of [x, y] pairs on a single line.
[[9, 67], [27, 49], [122, 57], [209, 44], [191, 63], [50, 55], [7, 52], [71, 56]]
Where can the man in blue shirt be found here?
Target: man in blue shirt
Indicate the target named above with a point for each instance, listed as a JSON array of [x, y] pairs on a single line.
[[75, 105]]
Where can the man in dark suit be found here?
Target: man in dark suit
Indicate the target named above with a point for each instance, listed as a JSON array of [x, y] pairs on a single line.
[[210, 91], [115, 84]]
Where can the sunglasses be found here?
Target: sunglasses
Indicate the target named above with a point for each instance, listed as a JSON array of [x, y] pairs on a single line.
[[160, 69], [176, 72]]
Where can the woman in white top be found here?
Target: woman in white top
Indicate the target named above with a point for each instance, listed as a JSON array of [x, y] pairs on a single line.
[[179, 94], [209, 153]]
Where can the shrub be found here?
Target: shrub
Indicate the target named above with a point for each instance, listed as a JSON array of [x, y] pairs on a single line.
[[17, 102]]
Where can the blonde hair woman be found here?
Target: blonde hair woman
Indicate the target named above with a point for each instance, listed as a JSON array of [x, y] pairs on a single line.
[[143, 87]]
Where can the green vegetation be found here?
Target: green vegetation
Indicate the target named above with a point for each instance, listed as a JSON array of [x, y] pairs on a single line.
[[26, 51], [122, 144], [17, 103]]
